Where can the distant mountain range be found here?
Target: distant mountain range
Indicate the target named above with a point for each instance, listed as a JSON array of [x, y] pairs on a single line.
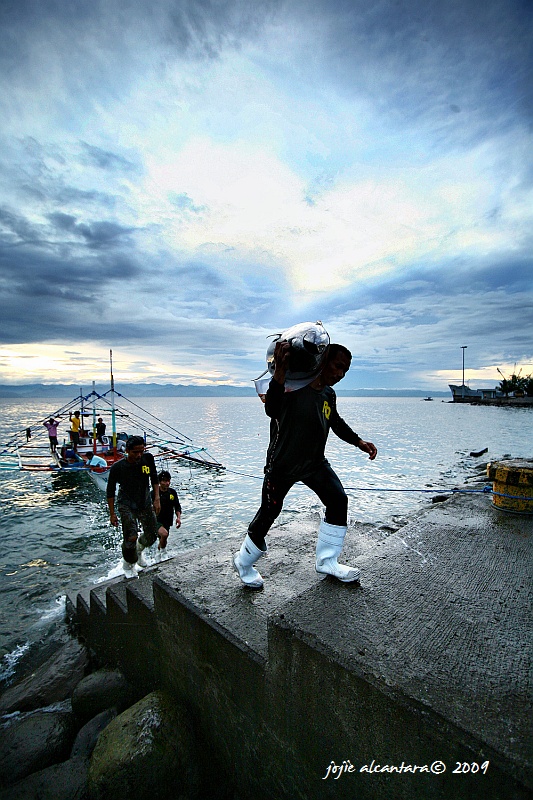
[[37, 390]]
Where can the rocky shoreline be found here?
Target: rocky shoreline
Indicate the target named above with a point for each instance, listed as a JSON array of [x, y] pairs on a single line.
[[74, 730]]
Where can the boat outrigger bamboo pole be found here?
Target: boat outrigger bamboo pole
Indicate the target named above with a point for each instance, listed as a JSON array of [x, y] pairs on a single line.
[[113, 421]]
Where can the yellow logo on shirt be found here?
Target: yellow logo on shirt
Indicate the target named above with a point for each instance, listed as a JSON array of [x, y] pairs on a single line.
[[146, 470], [326, 409], [172, 497]]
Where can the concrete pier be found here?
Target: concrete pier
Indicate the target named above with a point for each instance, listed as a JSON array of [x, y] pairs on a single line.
[[413, 684]]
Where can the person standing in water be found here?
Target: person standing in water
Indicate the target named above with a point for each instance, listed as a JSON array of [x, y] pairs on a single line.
[[302, 421], [133, 474], [169, 504]]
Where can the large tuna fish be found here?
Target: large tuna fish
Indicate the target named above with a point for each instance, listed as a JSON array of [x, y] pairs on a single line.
[[309, 344]]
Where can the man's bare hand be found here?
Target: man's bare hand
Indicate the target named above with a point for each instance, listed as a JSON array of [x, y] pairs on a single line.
[[368, 447], [282, 353]]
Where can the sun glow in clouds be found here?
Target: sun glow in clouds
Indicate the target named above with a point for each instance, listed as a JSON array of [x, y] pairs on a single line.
[[242, 198], [484, 377], [51, 364]]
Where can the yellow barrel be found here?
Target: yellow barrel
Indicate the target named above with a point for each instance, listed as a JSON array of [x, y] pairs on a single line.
[[512, 484]]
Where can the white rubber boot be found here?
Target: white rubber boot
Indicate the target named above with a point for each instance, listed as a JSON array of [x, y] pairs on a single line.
[[129, 569], [141, 561], [328, 548], [243, 562]]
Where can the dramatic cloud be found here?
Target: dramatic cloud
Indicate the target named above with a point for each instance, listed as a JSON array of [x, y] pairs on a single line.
[[179, 181]]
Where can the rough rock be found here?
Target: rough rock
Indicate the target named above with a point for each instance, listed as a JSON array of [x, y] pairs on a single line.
[[87, 737], [148, 752], [35, 741], [52, 682], [66, 781], [99, 691]]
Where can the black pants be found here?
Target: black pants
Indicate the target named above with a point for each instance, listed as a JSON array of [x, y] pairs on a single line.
[[128, 517], [324, 483]]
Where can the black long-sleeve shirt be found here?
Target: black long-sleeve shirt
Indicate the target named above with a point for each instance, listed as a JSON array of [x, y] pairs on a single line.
[[169, 503], [301, 423], [134, 481]]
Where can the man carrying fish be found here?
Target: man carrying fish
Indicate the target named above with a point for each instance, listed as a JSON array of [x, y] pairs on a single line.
[[301, 423]]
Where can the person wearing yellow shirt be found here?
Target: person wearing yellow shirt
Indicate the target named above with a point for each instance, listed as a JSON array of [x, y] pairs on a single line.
[[75, 425]]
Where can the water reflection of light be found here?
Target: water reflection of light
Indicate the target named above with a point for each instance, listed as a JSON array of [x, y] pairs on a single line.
[[37, 501]]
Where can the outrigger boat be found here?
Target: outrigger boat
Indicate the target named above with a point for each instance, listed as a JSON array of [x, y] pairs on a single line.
[[30, 449]]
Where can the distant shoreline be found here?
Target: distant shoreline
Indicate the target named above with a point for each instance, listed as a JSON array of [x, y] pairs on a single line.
[[43, 390]]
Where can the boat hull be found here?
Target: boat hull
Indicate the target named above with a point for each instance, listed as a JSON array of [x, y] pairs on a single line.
[[99, 478]]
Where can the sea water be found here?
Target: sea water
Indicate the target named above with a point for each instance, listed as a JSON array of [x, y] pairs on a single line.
[[55, 531]]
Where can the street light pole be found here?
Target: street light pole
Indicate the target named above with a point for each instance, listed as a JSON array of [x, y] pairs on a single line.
[[463, 348]]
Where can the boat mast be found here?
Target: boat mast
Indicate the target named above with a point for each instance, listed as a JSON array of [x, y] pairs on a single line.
[[94, 419], [113, 420], [81, 410]]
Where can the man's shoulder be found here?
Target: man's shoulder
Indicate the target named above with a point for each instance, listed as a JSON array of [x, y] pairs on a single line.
[[326, 393], [118, 466], [316, 394]]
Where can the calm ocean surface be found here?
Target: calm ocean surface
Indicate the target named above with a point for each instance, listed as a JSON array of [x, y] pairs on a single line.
[[54, 528]]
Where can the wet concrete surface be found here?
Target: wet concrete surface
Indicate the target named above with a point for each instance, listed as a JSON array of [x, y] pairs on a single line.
[[442, 613]]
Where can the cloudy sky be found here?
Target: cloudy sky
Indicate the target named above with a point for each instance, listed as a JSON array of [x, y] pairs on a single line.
[[181, 178]]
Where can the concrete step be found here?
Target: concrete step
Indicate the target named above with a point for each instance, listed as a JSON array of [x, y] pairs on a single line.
[[116, 619], [205, 581], [97, 604], [440, 625], [116, 600], [139, 593]]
